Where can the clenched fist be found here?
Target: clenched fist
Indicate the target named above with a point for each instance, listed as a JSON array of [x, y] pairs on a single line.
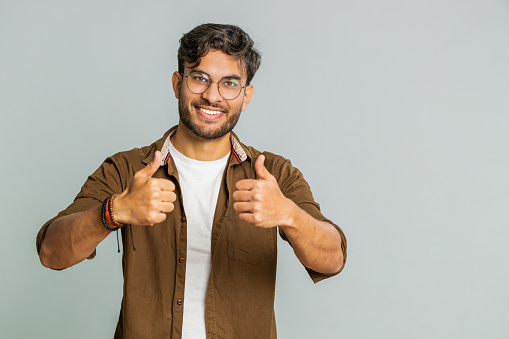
[[260, 201], [147, 200]]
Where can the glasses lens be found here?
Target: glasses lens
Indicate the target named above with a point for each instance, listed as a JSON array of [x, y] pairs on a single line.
[[198, 82], [229, 88]]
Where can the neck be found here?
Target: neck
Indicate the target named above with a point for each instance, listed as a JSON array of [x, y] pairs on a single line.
[[194, 147]]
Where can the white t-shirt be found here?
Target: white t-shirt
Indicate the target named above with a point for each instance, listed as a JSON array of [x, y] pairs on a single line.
[[200, 182]]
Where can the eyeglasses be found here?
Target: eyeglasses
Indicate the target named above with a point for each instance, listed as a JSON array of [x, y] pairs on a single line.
[[198, 83]]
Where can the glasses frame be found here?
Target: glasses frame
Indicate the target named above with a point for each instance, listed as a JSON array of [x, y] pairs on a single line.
[[210, 82]]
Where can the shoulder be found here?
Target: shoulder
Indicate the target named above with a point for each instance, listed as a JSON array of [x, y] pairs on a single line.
[[135, 159], [134, 156], [271, 159], [138, 157], [279, 166]]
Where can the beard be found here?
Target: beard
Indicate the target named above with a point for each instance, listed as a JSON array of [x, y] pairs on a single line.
[[207, 132]]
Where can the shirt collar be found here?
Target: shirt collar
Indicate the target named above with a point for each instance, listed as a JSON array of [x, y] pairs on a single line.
[[238, 150]]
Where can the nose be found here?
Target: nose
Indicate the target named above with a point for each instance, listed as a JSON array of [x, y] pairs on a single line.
[[212, 93]]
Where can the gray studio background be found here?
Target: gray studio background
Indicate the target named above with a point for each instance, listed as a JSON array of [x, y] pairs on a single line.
[[395, 111]]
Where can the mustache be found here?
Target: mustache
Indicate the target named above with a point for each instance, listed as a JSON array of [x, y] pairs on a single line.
[[205, 102]]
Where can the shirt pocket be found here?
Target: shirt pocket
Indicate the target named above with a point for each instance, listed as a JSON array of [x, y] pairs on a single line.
[[248, 243]]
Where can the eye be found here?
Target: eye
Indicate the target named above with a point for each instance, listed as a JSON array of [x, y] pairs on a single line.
[[230, 83], [198, 77]]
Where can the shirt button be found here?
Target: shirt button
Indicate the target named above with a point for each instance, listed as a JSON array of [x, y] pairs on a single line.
[[179, 301], [184, 219], [181, 259]]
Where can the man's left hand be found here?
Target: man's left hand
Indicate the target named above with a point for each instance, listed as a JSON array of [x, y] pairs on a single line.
[[260, 201]]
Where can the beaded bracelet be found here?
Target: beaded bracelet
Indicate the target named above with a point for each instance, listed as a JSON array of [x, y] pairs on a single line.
[[110, 210], [103, 216]]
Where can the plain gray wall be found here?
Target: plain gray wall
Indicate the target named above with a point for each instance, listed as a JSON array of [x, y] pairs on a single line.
[[395, 111]]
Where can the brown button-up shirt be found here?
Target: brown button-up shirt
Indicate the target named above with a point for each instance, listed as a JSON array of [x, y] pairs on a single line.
[[240, 294]]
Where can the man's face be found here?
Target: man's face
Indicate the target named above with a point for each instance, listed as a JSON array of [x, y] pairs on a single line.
[[208, 115]]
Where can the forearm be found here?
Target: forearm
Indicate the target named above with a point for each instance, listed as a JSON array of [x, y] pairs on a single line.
[[317, 244], [72, 238]]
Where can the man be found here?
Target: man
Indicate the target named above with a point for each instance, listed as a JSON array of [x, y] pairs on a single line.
[[198, 210]]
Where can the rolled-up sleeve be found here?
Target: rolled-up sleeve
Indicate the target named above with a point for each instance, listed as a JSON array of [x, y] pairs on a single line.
[[294, 187], [107, 180]]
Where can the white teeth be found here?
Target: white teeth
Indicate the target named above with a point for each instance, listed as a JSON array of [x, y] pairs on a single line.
[[210, 112]]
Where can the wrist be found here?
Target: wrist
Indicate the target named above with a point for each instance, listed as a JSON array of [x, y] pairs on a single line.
[[120, 210], [289, 215], [113, 218], [105, 217]]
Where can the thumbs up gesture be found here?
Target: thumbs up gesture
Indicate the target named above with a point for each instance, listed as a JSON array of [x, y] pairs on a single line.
[[260, 201], [147, 200]]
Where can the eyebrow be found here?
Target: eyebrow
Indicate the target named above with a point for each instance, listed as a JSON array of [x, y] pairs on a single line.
[[232, 76]]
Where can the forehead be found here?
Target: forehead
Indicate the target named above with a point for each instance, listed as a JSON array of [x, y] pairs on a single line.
[[219, 65]]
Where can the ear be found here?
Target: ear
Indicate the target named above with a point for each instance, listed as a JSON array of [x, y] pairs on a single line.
[[176, 81], [248, 94]]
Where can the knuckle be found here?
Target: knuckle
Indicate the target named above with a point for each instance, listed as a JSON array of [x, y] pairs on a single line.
[[152, 205], [156, 195], [153, 217]]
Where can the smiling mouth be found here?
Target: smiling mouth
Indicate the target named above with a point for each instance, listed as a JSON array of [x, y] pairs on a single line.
[[209, 112]]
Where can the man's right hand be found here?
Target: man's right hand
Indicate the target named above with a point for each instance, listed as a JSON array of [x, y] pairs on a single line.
[[147, 200]]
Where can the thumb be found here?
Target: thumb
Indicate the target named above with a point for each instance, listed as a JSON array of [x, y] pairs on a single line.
[[151, 168], [260, 169]]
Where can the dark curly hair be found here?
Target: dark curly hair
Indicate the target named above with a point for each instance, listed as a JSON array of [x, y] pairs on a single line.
[[228, 39]]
